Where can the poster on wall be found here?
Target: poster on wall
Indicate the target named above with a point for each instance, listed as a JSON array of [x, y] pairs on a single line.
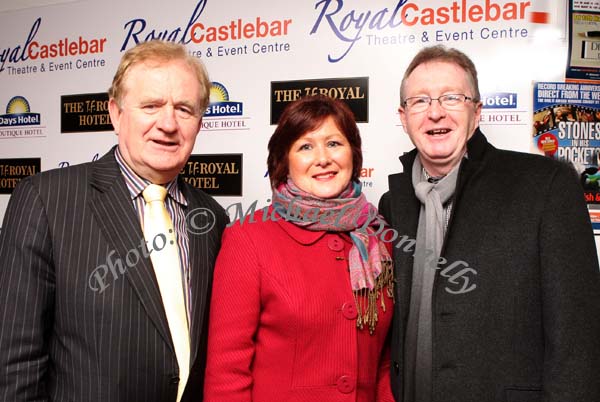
[[566, 126], [584, 41]]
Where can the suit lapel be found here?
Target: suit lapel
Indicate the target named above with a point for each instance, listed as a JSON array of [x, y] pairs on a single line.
[[200, 223], [112, 207]]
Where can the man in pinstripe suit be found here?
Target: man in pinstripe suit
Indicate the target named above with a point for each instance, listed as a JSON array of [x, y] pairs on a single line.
[[81, 313]]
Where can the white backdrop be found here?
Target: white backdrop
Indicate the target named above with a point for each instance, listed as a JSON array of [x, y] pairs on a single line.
[[306, 40]]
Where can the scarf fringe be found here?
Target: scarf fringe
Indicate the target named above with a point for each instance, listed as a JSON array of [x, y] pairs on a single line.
[[366, 299]]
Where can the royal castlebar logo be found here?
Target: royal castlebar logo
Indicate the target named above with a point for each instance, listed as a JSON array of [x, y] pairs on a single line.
[[18, 120], [223, 114], [40, 55]]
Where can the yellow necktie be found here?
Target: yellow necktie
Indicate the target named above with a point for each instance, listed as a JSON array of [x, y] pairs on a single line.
[[160, 237]]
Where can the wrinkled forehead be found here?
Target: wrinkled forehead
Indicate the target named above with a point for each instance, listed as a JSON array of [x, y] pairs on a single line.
[[176, 76]]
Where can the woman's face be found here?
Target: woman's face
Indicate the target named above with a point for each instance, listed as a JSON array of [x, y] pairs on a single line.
[[320, 161]]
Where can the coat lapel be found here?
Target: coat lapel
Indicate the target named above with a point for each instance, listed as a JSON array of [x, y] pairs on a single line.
[[405, 214], [470, 166], [405, 208], [112, 207]]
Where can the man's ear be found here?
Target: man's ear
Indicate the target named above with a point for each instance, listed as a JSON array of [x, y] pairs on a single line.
[[402, 114], [115, 114]]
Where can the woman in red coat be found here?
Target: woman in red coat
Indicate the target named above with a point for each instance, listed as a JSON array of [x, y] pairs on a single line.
[[303, 290]]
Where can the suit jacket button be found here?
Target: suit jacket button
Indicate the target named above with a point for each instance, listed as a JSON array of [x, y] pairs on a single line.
[[345, 384], [174, 380], [396, 368]]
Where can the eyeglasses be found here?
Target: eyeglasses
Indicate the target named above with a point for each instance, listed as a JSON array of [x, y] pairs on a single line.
[[417, 104]]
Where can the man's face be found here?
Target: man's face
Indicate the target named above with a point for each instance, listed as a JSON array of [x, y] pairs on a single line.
[[440, 135], [158, 119]]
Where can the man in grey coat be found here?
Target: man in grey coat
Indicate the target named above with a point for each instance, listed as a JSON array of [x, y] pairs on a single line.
[[498, 295]]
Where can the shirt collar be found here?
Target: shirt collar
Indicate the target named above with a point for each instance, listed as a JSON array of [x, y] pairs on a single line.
[[136, 184]]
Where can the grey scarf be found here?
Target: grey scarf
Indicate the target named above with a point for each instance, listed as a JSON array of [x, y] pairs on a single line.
[[430, 234]]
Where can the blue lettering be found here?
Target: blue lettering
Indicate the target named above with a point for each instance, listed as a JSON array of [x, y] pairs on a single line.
[[224, 109], [378, 19], [195, 15], [354, 22], [135, 29], [130, 34], [500, 100], [13, 55]]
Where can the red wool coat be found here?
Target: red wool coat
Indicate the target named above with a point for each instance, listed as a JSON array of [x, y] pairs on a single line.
[[283, 321]]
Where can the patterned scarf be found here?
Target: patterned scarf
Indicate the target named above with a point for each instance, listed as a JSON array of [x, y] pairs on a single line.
[[370, 264]]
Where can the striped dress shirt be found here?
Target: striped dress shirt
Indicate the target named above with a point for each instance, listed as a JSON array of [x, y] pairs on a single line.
[[176, 205]]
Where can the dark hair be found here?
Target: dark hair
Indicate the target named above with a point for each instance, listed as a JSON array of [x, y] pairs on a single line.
[[448, 55], [302, 116]]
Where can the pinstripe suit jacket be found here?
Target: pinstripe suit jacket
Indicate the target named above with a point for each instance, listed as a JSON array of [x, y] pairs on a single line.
[[62, 336]]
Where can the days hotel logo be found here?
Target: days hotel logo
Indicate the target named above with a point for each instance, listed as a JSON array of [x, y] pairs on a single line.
[[223, 114], [501, 108], [220, 105], [19, 121], [499, 100], [18, 113]]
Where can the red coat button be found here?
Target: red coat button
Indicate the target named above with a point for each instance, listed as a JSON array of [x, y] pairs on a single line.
[[345, 384], [349, 310], [335, 244]]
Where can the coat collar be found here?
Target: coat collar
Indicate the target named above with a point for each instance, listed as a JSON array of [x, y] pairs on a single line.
[[404, 210], [477, 147], [299, 234]]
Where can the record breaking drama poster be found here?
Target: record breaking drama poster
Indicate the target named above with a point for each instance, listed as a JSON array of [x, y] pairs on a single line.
[[566, 126]]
